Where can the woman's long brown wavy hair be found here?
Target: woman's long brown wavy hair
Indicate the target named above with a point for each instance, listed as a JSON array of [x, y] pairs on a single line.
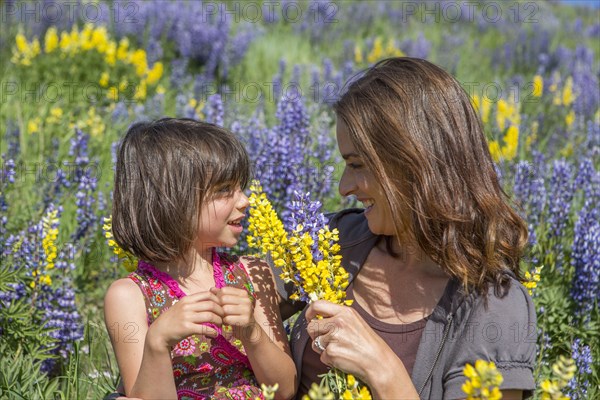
[[415, 128]]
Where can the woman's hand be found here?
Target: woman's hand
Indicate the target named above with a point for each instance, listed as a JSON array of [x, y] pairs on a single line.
[[238, 310], [352, 346], [185, 318]]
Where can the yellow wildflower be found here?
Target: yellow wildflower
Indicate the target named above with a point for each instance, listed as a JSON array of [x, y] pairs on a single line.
[[507, 111], [486, 106], [155, 73], [495, 150], [99, 39], [483, 381], [377, 51], [139, 61], [392, 51], [35, 49], [511, 140], [475, 102], [33, 126], [104, 78], [65, 42], [317, 392], [538, 86], [567, 94], [55, 116], [112, 93], [122, 50], [129, 260], [141, 91], [532, 279], [50, 234], [563, 371], [358, 56], [111, 54], [570, 118], [22, 44], [269, 391], [51, 40]]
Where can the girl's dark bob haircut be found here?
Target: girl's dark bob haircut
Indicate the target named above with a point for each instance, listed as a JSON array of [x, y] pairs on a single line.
[[166, 170]]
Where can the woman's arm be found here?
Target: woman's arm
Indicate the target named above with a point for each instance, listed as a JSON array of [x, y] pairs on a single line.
[[352, 346], [143, 353]]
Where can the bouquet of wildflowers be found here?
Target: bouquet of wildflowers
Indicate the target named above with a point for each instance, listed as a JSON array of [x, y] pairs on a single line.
[[307, 255]]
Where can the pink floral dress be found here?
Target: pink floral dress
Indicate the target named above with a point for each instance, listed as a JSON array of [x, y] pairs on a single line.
[[203, 367]]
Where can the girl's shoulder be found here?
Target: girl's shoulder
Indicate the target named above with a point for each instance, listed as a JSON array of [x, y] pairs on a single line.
[[122, 289], [123, 292]]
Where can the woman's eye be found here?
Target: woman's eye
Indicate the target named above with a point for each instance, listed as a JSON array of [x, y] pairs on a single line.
[[354, 166]]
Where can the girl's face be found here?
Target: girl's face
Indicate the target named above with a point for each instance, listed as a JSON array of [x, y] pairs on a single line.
[[357, 180], [221, 217]]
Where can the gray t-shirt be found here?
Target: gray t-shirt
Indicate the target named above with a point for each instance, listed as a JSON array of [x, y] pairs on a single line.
[[460, 330]]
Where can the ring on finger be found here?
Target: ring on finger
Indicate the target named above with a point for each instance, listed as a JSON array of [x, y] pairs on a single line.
[[318, 344]]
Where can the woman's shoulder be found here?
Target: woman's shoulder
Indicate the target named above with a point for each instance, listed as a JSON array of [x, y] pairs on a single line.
[[351, 224]]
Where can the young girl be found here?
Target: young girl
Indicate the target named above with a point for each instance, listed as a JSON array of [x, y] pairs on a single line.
[[190, 323]]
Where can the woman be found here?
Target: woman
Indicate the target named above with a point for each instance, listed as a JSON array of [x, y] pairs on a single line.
[[433, 257]]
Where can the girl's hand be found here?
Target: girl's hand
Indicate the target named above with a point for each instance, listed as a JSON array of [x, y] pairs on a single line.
[[185, 318], [350, 343], [238, 310]]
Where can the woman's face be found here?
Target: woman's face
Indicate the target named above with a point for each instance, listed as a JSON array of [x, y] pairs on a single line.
[[359, 181]]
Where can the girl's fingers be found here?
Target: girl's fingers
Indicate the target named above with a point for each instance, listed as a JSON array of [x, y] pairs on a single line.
[[210, 306], [200, 297], [206, 330], [206, 316]]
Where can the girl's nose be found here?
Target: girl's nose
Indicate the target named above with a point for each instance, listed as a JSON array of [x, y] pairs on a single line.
[[243, 201]]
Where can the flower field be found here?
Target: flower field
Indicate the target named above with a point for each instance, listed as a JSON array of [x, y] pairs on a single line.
[[75, 74]]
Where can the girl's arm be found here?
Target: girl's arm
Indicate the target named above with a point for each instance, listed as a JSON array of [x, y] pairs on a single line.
[[143, 353], [261, 330]]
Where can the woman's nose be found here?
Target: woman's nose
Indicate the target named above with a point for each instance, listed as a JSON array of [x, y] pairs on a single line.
[[347, 184]]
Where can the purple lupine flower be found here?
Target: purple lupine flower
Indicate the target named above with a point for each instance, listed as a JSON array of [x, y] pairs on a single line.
[[62, 316], [13, 141], [593, 31], [84, 200], [585, 258], [284, 156], [418, 48], [561, 194], [584, 176], [592, 142], [213, 110], [306, 214], [530, 191], [319, 20], [56, 302], [7, 176], [179, 77], [120, 113], [154, 52], [306, 217], [585, 82], [579, 384]]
